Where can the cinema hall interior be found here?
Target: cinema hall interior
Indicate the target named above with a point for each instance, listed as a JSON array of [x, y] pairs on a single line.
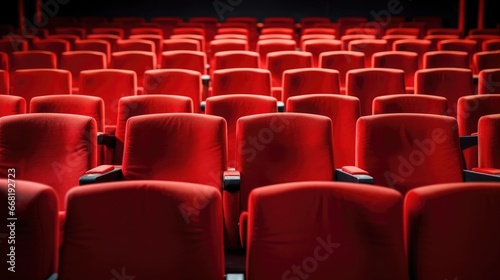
[[249, 140]]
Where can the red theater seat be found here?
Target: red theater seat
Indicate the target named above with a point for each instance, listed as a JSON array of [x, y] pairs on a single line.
[[137, 61], [72, 39], [480, 38], [346, 39], [111, 39], [410, 103], [189, 60], [468, 46], [445, 31], [199, 38], [56, 46], [12, 105], [485, 60], [491, 45], [242, 81], [146, 31], [267, 46], [418, 46], [336, 232], [406, 61], [343, 112], [435, 39], [318, 46], [181, 45], [35, 232], [4, 82], [236, 59], [310, 81], [366, 84], [437, 224], [33, 60], [489, 134], [234, 106], [489, 81], [109, 31], [440, 59], [4, 61], [30, 83], [76, 31], [342, 61], [95, 45], [183, 244], [393, 38], [110, 85], [277, 30], [78, 61], [279, 62], [135, 45]]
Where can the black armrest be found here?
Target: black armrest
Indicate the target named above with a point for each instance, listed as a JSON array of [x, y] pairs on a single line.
[[281, 106], [101, 177], [203, 104], [468, 141], [343, 176], [473, 176], [205, 80], [232, 181], [106, 140]]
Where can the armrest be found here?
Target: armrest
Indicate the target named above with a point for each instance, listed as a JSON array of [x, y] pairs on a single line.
[[243, 229], [106, 140], [205, 80], [353, 174], [235, 276], [281, 106], [474, 176], [468, 141], [203, 104], [101, 174], [231, 181], [53, 276]]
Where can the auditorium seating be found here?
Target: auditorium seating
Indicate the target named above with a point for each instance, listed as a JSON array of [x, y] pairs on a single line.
[[137, 61], [241, 81], [410, 103], [435, 39], [366, 84], [489, 81], [337, 232], [199, 38], [443, 59], [485, 60], [4, 82], [12, 105], [488, 134], [110, 38], [310, 81], [183, 244], [236, 59], [135, 45], [189, 60], [94, 45], [273, 45], [77, 61], [368, 47], [342, 61], [414, 45], [491, 45], [29, 83], [279, 62], [4, 61], [318, 46], [446, 240], [181, 45], [406, 61], [33, 239], [56, 46], [33, 60]]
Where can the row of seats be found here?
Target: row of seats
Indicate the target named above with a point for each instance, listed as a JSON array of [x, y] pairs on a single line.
[[269, 149]]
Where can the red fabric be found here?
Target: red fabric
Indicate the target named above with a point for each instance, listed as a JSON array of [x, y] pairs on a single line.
[[310, 81], [491, 45], [175, 82], [489, 81], [236, 59], [101, 169], [7, 46], [234, 106], [278, 62], [343, 112], [319, 46], [145, 31], [273, 45], [71, 104], [110, 85], [4, 61], [406, 61], [368, 47], [4, 82], [241, 81], [470, 110], [77, 61], [36, 230], [189, 60], [410, 103], [440, 59], [143, 229], [435, 39], [39, 82], [111, 39], [403, 31], [480, 38], [135, 45], [80, 32], [137, 61], [156, 39], [468, 46], [52, 149], [446, 240], [451, 83], [108, 31], [342, 61], [226, 45], [393, 38], [157, 148], [243, 229], [354, 170], [405, 151], [71, 39], [143, 105], [444, 31], [181, 44], [414, 45], [337, 231], [316, 36], [57, 46], [33, 60], [489, 141], [96, 45], [346, 39], [366, 84], [486, 60], [492, 171], [199, 38], [12, 105]]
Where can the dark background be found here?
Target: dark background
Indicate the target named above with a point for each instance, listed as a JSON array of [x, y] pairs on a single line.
[[448, 9]]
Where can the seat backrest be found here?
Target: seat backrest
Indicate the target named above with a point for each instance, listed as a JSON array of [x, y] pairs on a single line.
[[403, 151], [346, 39], [443, 59], [241, 81], [486, 60], [12, 105], [451, 83], [410, 103], [52, 149], [463, 45], [33, 60], [90, 106], [279, 148], [366, 84], [342, 110], [489, 81], [342, 61], [279, 62], [491, 45], [273, 45], [406, 61], [369, 47], [57, 46], [111, 39], [234, 106], [4, 61], [236, 59], [4, 82], [108, 31], [228, 45], [35, 232], [110, 85], [137, 61], [95, 45], [336, 232], [30, 83], [435, 39], [436, 223], [190, 60], [310, 81], [174, 82], [181, 45], [318, 46], [77, 61], [135, 45], [488, 142], [132, 106], [195, 154], [93, 240], [418, 46]]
